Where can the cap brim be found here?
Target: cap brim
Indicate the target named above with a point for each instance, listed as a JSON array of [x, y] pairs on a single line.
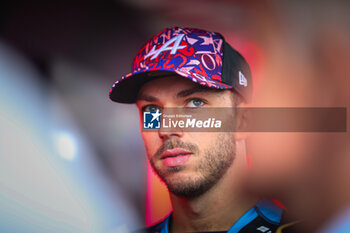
[[127, 89]]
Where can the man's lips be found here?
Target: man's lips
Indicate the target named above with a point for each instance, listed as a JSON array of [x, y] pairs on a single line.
[[175, 157], [173, 153]]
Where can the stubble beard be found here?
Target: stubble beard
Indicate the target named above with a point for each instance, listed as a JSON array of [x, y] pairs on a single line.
[[212, 167]]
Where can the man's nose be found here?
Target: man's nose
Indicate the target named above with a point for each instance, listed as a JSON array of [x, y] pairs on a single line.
[[166, 134], [170, 126]]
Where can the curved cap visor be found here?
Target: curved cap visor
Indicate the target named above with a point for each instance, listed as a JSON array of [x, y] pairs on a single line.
[[126, 89]]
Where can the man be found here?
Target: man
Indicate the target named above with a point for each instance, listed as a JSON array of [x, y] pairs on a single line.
[[196, 69]]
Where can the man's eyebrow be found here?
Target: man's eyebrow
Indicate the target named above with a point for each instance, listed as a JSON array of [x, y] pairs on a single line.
[[148, 98], [181, 94], [193, 90]]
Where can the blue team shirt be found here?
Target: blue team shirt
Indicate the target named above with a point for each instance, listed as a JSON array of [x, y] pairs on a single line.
[[264, 217]]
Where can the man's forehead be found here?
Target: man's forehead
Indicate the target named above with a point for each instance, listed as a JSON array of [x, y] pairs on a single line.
[[177, 85]]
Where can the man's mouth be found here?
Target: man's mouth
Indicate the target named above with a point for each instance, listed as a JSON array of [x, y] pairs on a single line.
[[175, 157]]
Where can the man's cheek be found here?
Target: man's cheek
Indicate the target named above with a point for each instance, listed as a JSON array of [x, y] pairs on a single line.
[[151, 143]]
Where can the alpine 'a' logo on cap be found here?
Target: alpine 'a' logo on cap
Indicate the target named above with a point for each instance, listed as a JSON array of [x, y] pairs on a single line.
[[242, 80], [165, 47]]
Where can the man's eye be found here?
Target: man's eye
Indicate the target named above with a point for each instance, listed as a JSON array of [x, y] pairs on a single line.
[[150, 108], [195, 103]]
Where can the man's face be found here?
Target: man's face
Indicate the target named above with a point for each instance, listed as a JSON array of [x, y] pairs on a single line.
[[190, 163]]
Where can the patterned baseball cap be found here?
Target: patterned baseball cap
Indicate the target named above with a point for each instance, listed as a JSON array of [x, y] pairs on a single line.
[[199, 55]]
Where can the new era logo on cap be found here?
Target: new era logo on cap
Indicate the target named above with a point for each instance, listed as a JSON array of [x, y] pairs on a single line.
[[242, 80]]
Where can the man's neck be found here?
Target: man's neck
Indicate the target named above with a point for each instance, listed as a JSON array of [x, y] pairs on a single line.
[[216, 210]]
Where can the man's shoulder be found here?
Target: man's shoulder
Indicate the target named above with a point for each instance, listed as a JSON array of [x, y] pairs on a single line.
[[266, 217]]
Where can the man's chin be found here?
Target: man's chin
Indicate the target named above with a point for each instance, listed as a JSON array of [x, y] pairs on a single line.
[[184, 189], [185, 184]]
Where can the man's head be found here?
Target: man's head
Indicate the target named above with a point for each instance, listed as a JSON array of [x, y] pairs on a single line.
[[187, 68]]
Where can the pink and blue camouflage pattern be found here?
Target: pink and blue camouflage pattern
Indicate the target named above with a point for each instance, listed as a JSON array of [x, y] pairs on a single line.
[[192, 53]]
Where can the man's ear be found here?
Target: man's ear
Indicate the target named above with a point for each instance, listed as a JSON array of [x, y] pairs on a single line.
[[242, 121]]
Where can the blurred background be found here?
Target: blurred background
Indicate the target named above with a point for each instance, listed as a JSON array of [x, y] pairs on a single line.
[[73, 161]]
